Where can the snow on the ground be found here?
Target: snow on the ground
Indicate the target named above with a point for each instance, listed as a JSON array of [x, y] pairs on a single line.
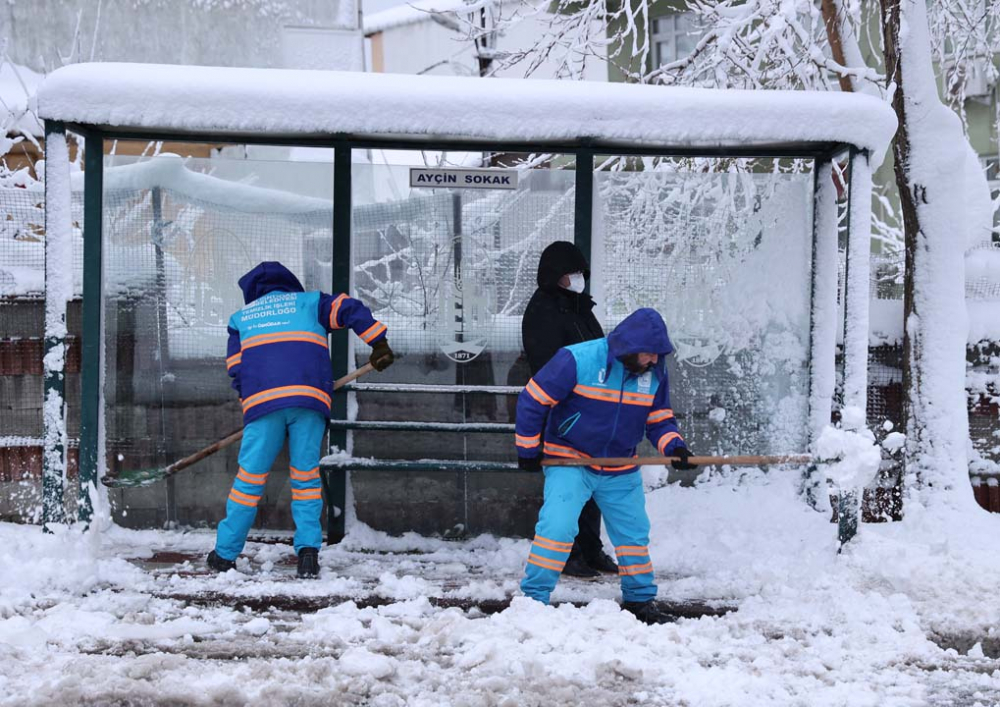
[[100, 619]]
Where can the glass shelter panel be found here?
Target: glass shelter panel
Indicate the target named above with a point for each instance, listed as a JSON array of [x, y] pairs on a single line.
[[449, 271], [178, 235], [726, 259]]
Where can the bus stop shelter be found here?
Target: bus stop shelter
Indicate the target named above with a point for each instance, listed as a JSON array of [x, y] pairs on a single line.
[[828, 142]]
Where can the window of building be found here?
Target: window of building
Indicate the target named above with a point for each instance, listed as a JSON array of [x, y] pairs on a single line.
[[674, 37]]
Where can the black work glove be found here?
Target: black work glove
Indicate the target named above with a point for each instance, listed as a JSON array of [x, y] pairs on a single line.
[[381, 357], [682, 463], [529, 463]]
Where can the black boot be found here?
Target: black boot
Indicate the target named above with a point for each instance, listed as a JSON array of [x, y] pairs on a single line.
[[602, 563], [647, 612], [576, 566], [218, 564], [308, 563]]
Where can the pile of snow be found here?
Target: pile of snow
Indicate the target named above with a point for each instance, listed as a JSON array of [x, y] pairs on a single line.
[[852, 449], [79, 623]]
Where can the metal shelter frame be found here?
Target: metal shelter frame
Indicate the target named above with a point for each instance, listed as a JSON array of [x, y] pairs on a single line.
[[822, 153]]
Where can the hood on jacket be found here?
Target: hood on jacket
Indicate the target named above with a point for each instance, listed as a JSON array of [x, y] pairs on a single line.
[[558, 259], [643, 331], [270, 276]]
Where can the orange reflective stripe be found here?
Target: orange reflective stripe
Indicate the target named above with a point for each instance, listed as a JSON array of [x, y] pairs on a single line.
[[243, 498], [254, 340], [552, 545], [595, 389], [244, 475], [539, 394], [288, 391], [269, 391], [558, 450], [545, 562], [587, 391], [527, 442], [638, 396], [307, 494], [665, 440], [303, 475], [635, 569], [640, 399], [371, 332], [536, 396], [334, 309], [631, 551], [283, 336], [659, 416], [234, 360]]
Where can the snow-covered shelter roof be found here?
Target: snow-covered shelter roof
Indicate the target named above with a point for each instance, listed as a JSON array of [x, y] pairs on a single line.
[[145, 99]]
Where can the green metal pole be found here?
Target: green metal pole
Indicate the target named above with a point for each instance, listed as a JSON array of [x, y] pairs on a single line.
[[93, 302], [58, 235], [583, 210], [335, 481], [847, 516]]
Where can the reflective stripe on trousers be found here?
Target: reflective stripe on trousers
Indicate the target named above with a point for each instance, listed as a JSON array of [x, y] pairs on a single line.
[[262, 441], [623, 504]]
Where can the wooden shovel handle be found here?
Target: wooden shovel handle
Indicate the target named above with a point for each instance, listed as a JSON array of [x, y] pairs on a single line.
[[700, 461], [237, 436]]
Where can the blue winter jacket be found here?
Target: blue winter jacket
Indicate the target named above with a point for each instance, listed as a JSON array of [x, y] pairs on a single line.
[[278, 356], [594, 406]]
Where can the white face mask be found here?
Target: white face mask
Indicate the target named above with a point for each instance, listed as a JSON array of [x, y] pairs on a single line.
[[576, 282]]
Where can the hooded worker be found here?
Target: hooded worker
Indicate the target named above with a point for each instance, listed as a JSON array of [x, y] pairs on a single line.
[[598, 399], [279, 360], [560, 313]]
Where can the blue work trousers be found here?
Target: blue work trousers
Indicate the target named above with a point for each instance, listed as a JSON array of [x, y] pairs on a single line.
[[623, 505], [262, 440]]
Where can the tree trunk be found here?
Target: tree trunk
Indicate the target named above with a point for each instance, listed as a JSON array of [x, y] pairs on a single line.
[[834, 35]]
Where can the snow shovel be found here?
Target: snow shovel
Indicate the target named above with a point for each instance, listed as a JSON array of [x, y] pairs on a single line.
[[145, 477], [700, 461]]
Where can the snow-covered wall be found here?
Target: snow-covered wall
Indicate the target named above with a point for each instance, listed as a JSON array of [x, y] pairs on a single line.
[[41, 33]]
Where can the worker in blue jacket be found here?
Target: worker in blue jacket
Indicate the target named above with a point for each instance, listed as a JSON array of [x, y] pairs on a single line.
[[597, 399], [279, 360]]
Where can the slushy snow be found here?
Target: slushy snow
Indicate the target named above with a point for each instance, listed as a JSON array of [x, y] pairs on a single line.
[[905, 615]]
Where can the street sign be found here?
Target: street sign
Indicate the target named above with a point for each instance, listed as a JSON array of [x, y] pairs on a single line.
[[463, 178]]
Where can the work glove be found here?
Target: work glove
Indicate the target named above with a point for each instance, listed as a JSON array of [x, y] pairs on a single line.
[[381, 357], [529, 463], [682, 463]]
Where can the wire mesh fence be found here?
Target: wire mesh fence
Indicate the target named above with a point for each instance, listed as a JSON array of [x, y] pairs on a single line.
[[22, 315], [176, 241], [726, 259], [450, 272]]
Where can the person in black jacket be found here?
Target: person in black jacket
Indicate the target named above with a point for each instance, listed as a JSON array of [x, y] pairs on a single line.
[[559, 314]]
